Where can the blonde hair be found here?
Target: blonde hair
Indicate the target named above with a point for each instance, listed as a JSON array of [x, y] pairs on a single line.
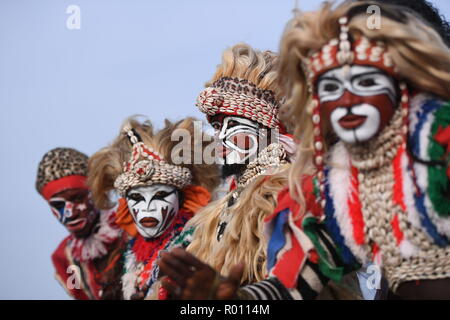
[[107, 164], [243, 62], [418, 52], [244, 240]]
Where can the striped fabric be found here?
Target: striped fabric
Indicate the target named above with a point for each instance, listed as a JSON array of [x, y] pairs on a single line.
[[310, 281]]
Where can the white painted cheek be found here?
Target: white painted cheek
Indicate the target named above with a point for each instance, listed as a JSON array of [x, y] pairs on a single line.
[[371, 126], [345, 135]]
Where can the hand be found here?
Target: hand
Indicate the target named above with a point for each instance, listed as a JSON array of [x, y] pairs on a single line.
[[191, 279]]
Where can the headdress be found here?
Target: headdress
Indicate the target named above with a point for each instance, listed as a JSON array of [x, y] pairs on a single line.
[[147, 167], [240, 97], [345, 52], [61, 169]]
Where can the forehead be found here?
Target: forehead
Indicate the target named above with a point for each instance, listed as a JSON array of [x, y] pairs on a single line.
[[346, 72], [69, 193], [224, 119], [152, 189]]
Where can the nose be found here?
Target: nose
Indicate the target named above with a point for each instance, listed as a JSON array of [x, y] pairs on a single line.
[[349, 99], [148, 206]]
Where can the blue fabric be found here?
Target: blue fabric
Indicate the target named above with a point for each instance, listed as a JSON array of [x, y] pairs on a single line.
[[333, 227], [278, 239], [423, 116]]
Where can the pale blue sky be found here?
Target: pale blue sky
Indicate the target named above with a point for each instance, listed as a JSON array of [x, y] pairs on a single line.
[[73, 88]]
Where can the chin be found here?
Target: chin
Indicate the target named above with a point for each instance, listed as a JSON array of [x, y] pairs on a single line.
[[83, 233]]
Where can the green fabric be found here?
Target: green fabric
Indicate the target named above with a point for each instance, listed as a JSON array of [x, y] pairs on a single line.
[[316, 189], [184, 239], [438, 182], [334, 273]]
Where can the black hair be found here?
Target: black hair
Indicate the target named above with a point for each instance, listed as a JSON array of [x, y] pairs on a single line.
[[428, 12]]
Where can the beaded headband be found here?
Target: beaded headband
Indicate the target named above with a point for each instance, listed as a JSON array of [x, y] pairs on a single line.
[[151, 169], [339, 52], [240, 97]]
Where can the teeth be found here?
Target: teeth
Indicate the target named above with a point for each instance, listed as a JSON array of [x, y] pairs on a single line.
[[75, 222]]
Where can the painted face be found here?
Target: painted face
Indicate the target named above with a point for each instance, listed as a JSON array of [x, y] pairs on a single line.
[[357, 101], [75, 210], [153, 208], [237, 139]]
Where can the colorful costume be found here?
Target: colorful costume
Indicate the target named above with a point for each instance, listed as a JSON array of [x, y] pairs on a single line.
[[241, 103], [157, 196], [87, 265], [380, 191]]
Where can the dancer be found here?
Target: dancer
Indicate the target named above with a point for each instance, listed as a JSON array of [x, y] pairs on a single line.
[[242, 103], [376, 132], [87, 262], [157, 197]]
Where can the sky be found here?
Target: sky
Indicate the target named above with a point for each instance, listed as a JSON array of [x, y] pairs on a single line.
[[62, 87]]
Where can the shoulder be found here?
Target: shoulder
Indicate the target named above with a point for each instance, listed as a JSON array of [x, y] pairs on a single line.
[[60, 252]]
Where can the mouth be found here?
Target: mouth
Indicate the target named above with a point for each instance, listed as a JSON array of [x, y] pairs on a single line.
[[149, 222], [352, 121], [76, 225]]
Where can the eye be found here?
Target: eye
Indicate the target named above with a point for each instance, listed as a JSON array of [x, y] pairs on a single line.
[[161, 195], [79, 198], [58, 205], [216, 126], [368, 82], [232, 123], [136, 197], [330, 87]]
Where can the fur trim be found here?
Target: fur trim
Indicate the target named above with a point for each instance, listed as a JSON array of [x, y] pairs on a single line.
[[96, 245], [341, 191]]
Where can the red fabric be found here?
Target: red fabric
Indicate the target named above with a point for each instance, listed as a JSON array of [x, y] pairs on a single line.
[[355, 211], [291, 262], [61, 263], [442, 136], [69, 182]]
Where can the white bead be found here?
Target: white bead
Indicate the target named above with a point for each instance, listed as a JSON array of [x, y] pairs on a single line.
[[318, 145], [316, 119], [319, 160]]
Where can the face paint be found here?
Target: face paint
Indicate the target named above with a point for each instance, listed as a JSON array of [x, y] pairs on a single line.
[[153, 208], [74, 209], [357, 101], [237, 139]]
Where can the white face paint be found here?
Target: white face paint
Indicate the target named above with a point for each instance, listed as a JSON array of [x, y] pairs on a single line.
[[153, 208], [362, 133], [358, 101], [361, 81], [237, 140]]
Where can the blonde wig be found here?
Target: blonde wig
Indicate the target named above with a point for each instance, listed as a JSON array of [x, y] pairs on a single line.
[[418, 52], [107, 164], [244, 240], [243, 62]]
